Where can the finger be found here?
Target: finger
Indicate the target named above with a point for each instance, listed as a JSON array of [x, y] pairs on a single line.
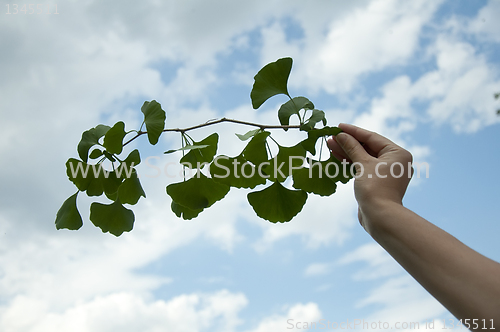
[[373, 142], [336, 150], [352, 148]]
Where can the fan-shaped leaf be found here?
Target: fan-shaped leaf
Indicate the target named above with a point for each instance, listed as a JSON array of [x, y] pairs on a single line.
[[316, 117], [270, 81], [89, 139], [184, 212], [314, 179], [249, 134], [235, 172], [287, 160], [291, 107], [199, 192], [154, 118], [131, 190], [188, 147], [255, 151], [113, 218], [199, 156], [277, 203], [68, 216], [113, 140], [312, 136]]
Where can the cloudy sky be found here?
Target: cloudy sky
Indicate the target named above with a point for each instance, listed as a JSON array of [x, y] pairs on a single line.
[[423, 73]]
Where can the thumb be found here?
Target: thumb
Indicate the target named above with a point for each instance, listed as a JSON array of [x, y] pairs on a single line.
[[351, 147]]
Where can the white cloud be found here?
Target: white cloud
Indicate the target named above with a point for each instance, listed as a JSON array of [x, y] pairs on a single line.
[[129, 312], [317, 269], [368, 39], [486, 25], [323, 220], [461, 90], [298, 314]]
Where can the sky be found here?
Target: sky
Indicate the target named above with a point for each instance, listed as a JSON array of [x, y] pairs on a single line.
[[423, 73]]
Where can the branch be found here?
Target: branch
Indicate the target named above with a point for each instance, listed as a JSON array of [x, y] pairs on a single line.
[[209, 123]]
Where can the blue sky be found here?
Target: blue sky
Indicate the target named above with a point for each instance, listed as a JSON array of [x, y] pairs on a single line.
[[422, 73]]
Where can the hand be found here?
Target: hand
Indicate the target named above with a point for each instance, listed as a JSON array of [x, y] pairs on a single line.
[[379, 164]]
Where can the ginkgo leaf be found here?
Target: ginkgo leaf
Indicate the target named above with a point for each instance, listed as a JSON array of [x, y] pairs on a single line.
[[89, 139], [113, 140], [131, 190], [249, 134], [154, 118], [113, 218], [256, 151], [199, 192], [314, 179], [316, 117], [270, 81], [283, 164], [199, 156], [235, 172], [133, 159], [277, 203], [186, 148], [68, 216], [292, 107], [184, 212], [312, 136]]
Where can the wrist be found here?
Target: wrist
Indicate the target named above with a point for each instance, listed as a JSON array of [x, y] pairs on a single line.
[[376, 215]]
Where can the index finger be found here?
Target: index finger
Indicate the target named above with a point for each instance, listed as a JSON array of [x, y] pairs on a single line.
[[369, 139]]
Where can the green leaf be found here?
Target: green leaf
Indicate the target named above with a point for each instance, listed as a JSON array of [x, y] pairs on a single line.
[[316, 117], [256, 151], [95, 154], [68, 216], [249, 134], [197, 192], [188, 147], [154, 118], [314, 180], [277, 203], [131, 190], [77, 172], [109, 156], [113, 140], [288, 157], [113, 218], [312, 136], [270, 81], [291, 107], [111, 184], [89, 139], [184, 212], [235, 172], [87, 177], [198, 156], [133, 159], [344, 173]]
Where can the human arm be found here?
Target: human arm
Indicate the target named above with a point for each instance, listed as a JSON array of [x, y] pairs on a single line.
[[464, 281]]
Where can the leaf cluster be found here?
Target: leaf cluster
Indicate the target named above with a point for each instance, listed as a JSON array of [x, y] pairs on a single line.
[[278, 200]]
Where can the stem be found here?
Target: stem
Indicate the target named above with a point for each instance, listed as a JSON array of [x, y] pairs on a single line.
[[183, 139], [182, 130], [321, 147], [269, 150]]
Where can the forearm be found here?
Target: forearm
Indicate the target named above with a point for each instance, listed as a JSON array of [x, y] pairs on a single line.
[[464, 281]]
